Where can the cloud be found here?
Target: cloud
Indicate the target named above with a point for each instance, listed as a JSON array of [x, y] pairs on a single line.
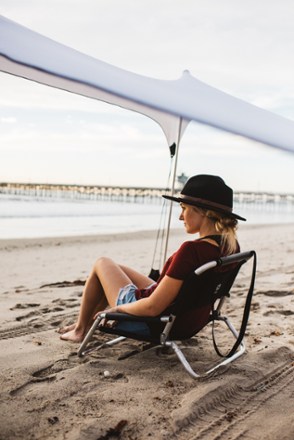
[[243, 48], [7, 120]]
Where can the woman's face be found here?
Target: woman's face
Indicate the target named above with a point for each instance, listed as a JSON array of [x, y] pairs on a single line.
[[192, 218]]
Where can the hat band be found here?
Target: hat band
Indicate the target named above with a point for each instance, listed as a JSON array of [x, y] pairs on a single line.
[[207, 202]]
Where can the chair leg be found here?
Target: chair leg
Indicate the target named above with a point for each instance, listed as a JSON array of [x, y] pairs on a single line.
[[95, 347], [182, 359], [82, 350], [240, 351]]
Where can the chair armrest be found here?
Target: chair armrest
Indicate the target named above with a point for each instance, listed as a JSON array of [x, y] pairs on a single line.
[[224, 261], [118, 316], [235, 258]]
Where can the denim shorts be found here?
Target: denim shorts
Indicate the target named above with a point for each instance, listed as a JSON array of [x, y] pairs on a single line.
[[127, 295]]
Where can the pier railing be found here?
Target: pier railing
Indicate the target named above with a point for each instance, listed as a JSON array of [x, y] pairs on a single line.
[[119, 193]]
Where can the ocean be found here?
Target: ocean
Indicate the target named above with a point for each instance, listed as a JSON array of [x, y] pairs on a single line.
[[32, 217]]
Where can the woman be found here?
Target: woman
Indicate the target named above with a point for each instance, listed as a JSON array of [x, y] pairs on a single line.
[[206, 203]]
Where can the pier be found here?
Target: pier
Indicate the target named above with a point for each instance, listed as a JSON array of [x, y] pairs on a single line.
[[78, 192], [127, 194]]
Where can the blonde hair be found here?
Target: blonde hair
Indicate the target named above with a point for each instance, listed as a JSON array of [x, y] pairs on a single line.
[[226, 226]]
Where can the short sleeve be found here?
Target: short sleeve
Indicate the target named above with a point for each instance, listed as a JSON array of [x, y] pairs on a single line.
[[189, 256]]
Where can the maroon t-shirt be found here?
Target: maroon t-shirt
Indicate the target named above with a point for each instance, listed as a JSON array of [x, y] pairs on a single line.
[[184, 262], [181, 264], [188, 258]]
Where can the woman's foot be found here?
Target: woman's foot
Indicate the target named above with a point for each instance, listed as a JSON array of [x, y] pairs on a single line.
[[73, 336], [66, 329]]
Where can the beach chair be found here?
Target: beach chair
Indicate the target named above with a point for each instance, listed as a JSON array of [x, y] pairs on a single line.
[[211, 286]]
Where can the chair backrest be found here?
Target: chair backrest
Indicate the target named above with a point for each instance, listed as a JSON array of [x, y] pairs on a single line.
[[200, 291]]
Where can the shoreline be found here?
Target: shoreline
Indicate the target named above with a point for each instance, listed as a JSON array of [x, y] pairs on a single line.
[[47, 392], [146, 233]]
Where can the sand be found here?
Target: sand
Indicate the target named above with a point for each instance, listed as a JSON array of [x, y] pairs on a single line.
[[47, 392]]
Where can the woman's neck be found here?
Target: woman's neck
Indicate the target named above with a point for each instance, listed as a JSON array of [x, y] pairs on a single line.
[[208, 228]]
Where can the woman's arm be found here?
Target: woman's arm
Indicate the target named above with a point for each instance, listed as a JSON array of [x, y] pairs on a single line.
[[164, 294]]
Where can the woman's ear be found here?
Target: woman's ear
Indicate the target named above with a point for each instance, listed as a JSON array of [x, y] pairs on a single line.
[[199, 211]]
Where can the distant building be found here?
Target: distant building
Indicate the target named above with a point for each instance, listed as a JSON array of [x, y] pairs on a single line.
[[181, 180]]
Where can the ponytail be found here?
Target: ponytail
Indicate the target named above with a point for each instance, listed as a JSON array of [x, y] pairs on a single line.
[[227, 227]]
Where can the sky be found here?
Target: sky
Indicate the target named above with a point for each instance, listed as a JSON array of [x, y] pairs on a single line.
[[243, 48]]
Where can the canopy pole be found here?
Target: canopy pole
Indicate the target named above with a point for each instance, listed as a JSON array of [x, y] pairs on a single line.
[[172, 190]]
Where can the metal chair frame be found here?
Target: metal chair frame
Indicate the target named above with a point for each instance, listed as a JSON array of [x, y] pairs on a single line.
[[163, 340]]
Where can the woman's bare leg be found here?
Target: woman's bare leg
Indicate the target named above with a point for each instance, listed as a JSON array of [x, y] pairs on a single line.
[[93, 299], [140, 280], [101, 289]]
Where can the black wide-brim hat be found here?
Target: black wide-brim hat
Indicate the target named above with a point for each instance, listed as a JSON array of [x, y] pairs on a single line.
[[208, 192]]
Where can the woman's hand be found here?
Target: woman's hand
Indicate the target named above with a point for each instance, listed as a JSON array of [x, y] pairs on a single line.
[[105, 322], [110, 310]]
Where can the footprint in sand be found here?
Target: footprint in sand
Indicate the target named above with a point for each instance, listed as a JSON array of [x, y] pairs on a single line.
[[275, 293], [24, 306], [281, 312], [69, 303], [64, 284], [35, 313], [59, 365], [28, 315], [21, 289], [47, 374]]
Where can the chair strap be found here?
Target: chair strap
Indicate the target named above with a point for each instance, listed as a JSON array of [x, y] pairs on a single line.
[[245, 315], [216, 238]]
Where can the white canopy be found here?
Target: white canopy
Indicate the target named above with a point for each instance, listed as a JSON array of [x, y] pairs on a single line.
[[172, 104]]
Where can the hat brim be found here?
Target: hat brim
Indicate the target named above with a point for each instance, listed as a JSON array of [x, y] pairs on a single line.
[[203, 205]]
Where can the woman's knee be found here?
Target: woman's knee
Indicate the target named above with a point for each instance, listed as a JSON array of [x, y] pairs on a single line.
[[101, 263]]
